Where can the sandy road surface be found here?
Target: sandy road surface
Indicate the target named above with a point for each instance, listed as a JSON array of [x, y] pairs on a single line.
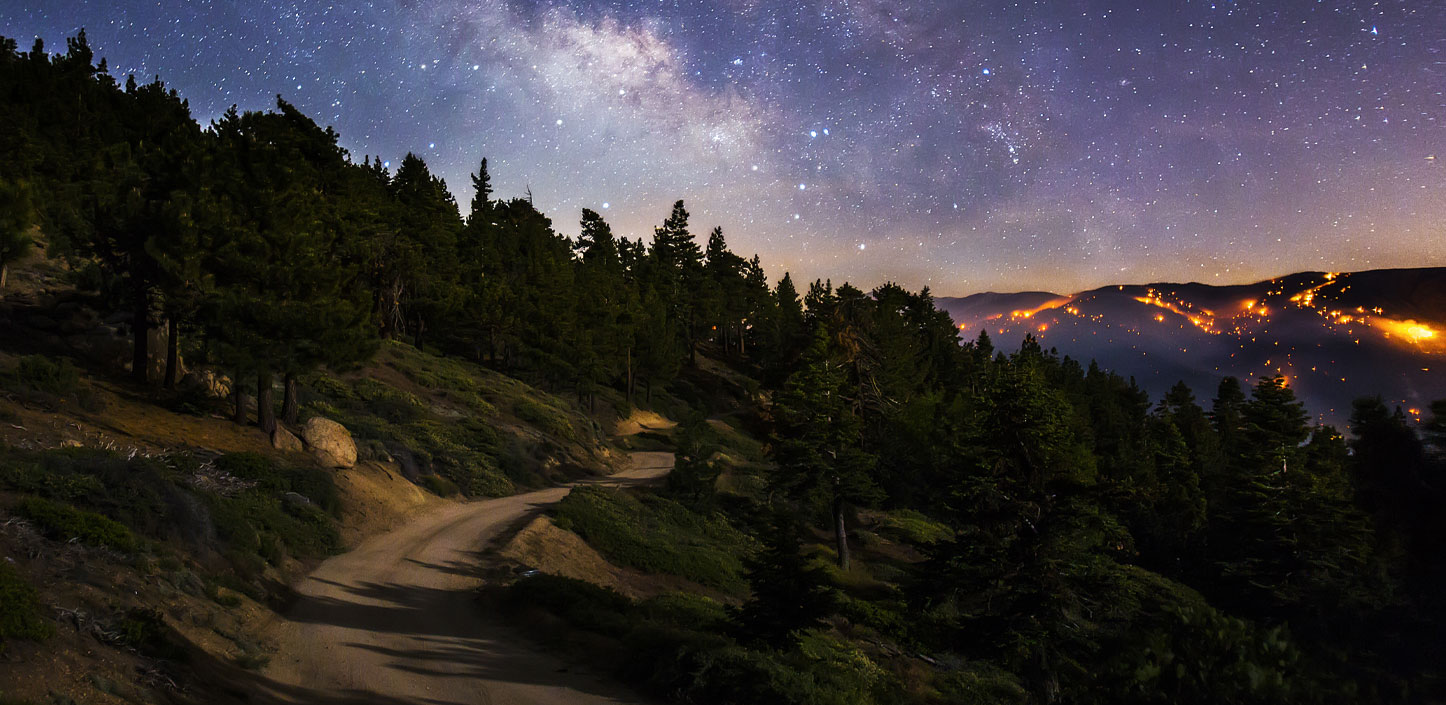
[[396, 621]]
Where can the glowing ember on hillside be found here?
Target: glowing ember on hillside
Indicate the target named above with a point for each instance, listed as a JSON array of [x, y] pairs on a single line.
[[1204, 319], [1052, 303], [1411, 331]]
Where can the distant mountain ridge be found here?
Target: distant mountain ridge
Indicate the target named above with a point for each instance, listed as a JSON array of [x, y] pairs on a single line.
[[1336, 336]]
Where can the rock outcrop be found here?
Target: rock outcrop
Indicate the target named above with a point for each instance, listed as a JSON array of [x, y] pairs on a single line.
[[282, 439], [330, 442]]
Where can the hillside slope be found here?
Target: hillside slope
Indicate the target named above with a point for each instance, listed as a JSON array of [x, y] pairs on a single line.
[[146, 537], [1335, 336]]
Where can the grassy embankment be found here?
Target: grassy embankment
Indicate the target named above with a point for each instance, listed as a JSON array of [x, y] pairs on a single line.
[[144, 520]]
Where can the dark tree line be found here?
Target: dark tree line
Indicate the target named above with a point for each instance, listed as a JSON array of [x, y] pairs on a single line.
[[260, 240], [1105, 549]]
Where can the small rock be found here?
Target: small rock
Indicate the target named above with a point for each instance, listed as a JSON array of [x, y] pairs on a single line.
[[282, 439], [330, 442]]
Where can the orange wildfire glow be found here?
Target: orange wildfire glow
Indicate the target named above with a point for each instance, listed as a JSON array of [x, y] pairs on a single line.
[[1203, 320], [1052, 303], [1411, 331]]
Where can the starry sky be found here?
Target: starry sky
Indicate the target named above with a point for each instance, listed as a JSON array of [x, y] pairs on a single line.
[[961, 145]]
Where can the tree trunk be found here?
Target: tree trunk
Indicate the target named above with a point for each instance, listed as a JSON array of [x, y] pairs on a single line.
[[289, 404], [385, 328], [141, 331], [265, 402], [173, 356], [4, 274], [238, 400], [630, 375], [840, 534], [648, 387]]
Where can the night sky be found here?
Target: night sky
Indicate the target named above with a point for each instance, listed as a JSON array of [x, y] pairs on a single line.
[[966, 146]]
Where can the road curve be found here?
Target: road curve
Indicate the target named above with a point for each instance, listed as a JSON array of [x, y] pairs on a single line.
[[396, 620]]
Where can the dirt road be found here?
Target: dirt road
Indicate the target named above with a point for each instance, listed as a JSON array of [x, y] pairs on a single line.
[[396, 620]]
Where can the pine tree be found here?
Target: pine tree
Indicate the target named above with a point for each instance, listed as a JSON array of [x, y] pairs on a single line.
[[816, 441], [481, 194], [605, 305], [677, 265], [427, 218], [16, 218], [785, 332], [789, 592], [287, 300]]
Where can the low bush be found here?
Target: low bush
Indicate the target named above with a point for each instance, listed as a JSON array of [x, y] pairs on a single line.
[[311, 482], [676, 647], [41, 374], [580, 603], [659, 535], [256, 524], [914, 527], [40, 380], [110, 500], [438, 485], [20, 610], [65, 522], [552, 421], [145, 632]]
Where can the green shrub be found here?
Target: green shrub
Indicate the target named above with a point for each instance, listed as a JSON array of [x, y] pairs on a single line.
[[66, 522], [685, 609], [550, 420], [580, 603], [20, 610], [145, 631], [313, 483], [438, 485], [978, 683], [39, 373], [913, 527], [888, 618], [329, 387], [657, 534], [256, 524]]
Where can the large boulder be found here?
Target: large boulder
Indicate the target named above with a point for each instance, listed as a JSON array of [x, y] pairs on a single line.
[[330, 442]]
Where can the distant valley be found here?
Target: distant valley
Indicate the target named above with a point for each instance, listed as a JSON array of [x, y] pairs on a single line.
[[1335, 336]]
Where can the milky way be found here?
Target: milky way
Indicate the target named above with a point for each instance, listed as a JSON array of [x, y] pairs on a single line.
[[960, 145]]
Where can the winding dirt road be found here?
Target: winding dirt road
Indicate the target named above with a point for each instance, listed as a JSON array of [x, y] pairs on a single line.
[[396, 619]]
